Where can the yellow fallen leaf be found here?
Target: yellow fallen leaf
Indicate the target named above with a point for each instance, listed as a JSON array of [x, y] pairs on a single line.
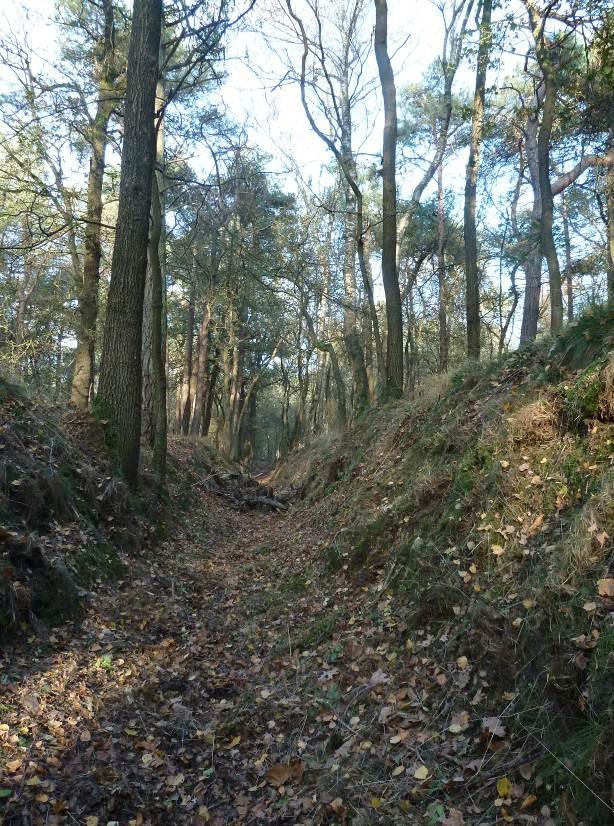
[[376, 802], [421, 773], [462, 662], [497, 550], [13, 765], [234, 742], [504, 787], [91, 820], [528, 802], [33, 781], [398, 770]]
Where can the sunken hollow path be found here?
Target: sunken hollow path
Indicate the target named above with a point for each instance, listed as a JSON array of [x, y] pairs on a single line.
[[230, 677]]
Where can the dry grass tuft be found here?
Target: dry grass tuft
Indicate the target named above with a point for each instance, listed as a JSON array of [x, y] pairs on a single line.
[[606, 396]]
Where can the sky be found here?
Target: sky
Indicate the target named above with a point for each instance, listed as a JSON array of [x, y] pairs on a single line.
[[272, 112]]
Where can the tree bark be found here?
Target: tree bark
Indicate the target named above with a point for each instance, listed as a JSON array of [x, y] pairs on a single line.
[[609, 183], [158, 367], [394, 315], [568, 272], [119, 396], [533, 260], [444, 341], [202, 370], [83, 369], [185, 399], [543, 53], [471, 184]]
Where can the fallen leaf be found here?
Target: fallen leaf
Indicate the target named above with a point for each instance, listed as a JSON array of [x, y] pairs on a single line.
[[497, 550], [493, 725], [601, 538], [504, 787], [281, 773], [462, 662], [233, 743], [454, 818], [535, 524], [589, 607], [421, 773], [529, 801]]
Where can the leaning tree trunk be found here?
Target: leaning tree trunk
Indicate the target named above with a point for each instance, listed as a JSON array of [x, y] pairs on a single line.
[[83, 369], [471, 185], [394, 312], [119, 396]]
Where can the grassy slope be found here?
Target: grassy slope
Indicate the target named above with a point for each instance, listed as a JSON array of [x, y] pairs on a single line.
[[483, 515]]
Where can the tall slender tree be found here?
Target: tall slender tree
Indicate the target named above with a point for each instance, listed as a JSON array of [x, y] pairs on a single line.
[[106, 68], [471, 183], [119, 396], [394, 312]]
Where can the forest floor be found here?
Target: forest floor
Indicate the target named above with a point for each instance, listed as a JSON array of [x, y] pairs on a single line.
[[426, 635], [206, 689]]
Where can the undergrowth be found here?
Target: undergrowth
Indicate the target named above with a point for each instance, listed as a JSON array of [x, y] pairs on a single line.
[[488, 506]]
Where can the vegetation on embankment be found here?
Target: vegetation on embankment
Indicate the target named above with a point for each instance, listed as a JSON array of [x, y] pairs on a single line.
[[66, 520], [483, 514]]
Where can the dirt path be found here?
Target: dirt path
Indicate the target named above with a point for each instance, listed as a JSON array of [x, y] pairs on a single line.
[[140, 714], [226, 683]]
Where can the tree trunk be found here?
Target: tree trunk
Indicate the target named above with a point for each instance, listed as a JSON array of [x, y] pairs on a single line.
[[83, 371], [471, 184], [202, 371], [215, 372], [568, 273], [547, 217], [444, 341], [394, 318], [609, 182], [543, 53], [533, 260], [185, 399], [158, 368], [119, 396]]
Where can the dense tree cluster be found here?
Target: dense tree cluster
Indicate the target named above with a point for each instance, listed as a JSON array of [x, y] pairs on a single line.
[[156, 269]]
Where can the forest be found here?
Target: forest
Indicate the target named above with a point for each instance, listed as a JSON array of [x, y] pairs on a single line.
[[306, 412]]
